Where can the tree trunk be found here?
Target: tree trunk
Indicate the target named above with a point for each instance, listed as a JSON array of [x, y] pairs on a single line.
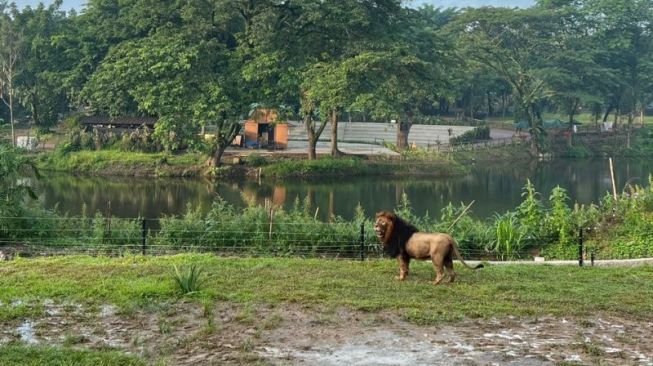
[[490, 112], [607, 113], [312, 155], [334, 134], [631, 117], [312, 134], [216, 158], [403, 128], [572, 112], [11, 117], [535, 132]]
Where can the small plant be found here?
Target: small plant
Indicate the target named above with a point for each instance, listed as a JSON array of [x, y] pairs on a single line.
[[188, 282], [509, 238]]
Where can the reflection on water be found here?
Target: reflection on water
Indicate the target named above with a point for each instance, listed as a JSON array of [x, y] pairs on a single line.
[[494, 188]]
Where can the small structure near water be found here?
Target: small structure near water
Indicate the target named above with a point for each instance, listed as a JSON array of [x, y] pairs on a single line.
[[263, 130]]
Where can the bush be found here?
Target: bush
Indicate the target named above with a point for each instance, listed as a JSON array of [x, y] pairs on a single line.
[[480, 133]]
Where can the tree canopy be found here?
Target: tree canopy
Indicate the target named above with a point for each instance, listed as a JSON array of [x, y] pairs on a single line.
[[206, 62]]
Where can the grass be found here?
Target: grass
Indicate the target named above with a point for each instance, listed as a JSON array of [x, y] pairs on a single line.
[[24, 355], [429, 164], [142, 282], [114, 162]]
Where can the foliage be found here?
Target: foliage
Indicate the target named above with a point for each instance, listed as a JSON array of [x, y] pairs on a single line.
[[256, 160], [480, 133], [13, 190], [320, 167], [190, 281], [508, 238]]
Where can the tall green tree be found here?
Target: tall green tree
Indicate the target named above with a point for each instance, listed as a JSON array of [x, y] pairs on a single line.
[[300, 40], [186, 77], [624, 31], [11, 45], [517, 44]]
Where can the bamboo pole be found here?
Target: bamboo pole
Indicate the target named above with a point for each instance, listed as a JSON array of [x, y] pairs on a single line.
[[614, 184], [460, 216]]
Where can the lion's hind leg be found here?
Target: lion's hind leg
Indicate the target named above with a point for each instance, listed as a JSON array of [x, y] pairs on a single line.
[[439, 268], [452, 274], [448, 264]]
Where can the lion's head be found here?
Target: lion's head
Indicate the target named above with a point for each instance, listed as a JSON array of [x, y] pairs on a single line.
[[393, 232]]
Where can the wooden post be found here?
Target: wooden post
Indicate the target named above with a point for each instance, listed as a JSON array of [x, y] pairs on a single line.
[[580, 246], [143, 236], [271, 220], [362, 241], [614, 185]]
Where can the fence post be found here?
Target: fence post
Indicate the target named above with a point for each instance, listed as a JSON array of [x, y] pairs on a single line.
[[362, 241], [580, 246], [143, 235], [592, 258]]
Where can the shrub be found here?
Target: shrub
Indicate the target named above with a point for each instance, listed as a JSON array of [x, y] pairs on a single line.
[[480, 133]]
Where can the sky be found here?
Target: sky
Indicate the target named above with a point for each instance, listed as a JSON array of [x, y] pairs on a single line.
[[79, 4]]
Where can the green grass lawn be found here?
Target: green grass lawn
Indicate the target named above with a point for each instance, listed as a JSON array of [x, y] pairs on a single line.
[[137, 282], [146, 284]]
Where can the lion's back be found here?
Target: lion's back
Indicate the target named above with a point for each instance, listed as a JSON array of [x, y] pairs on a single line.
[[423, 245]]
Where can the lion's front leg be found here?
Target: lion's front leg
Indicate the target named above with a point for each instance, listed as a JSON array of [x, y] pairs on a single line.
[[403, 267]]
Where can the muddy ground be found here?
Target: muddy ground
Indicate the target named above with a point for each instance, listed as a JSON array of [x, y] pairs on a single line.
[[223, 333]]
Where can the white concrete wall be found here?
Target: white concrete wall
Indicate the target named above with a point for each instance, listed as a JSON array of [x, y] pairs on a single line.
[[372, 132]]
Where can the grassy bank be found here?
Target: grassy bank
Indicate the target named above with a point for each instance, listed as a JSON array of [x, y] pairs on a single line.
[[350, 166], [137, 282], [641, 145], [120, 163]]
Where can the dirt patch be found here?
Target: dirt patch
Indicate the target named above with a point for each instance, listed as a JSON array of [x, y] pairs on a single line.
[[186, 333]]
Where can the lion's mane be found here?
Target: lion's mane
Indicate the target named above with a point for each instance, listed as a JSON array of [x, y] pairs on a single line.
[[400, 232]]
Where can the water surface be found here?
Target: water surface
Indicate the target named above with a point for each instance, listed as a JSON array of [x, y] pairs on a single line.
[[494, 188]]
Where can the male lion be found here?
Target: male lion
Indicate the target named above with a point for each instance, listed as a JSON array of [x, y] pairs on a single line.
[[403, 241]]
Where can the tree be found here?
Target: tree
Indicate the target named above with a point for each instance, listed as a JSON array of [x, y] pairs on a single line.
[[624, 31], [11, 41], [40, 83], [186, 77], [408, 75], [517, 44], [298, 40], [12, 191]]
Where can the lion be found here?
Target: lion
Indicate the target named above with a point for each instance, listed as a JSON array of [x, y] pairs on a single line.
[[403, 241]]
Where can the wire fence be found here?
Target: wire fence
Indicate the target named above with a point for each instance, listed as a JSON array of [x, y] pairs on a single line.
[[261, 236], [250, 237], [117, 236]]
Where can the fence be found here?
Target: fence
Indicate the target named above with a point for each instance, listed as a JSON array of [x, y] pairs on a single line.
[[98, 235], [116, 236], [254, 236]]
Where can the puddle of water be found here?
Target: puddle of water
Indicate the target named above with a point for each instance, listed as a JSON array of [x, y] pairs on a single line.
[[107, 310], [26, 332]]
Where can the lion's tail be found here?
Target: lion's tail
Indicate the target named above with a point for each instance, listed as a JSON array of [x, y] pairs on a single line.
[[454, 245]]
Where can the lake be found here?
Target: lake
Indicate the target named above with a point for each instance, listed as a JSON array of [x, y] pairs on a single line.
[[495, 188]]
